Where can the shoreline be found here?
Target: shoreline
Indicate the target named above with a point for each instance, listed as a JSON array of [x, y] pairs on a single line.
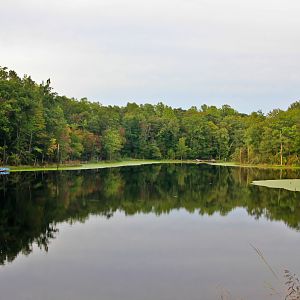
[[93, 166], [259, 166], [138, 162]]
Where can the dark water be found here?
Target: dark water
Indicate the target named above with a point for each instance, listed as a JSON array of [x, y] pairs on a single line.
[[150, 232]]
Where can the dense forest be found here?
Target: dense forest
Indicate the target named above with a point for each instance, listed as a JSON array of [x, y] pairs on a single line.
[[37, 126]]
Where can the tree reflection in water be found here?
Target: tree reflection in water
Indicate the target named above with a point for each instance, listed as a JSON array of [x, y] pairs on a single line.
[[33, 203]]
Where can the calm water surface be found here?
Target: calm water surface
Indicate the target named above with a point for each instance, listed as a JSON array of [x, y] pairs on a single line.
[[156, 232]]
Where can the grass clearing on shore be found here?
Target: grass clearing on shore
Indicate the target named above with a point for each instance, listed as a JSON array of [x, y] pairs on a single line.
[[137, 162], [259, 166], [91, 166], [287, 184]]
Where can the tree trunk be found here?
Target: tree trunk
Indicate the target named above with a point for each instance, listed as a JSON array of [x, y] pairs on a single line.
[[240, 155], [57, 155], [30, 142], [18, 141], [248, 154], [281, 154], [281, 149], [4, 153]]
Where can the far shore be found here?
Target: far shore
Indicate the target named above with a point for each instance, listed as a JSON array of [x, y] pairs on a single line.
[[90, 166], [114, 164], [259, 166]]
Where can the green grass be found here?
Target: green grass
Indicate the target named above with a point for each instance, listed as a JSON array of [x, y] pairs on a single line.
[[259, 166], [287, 184], [137, 162], [90, 166]]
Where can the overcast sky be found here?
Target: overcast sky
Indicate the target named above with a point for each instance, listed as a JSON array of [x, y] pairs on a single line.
[[245, 53]]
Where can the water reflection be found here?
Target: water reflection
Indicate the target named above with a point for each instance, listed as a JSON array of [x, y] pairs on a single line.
[[32, 204]]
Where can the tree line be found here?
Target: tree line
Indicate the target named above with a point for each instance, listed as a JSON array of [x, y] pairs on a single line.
[[38, 126]]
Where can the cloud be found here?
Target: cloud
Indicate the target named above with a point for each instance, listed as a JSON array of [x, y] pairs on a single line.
[[244, 53]]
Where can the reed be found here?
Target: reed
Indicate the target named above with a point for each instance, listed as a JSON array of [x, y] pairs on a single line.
[[289, 283]]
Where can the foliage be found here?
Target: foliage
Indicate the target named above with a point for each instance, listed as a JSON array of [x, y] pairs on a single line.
[[182, 149], [37, 126]]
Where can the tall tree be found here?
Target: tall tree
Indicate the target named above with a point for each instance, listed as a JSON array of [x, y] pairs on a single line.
[[182, 148], [112, 142]]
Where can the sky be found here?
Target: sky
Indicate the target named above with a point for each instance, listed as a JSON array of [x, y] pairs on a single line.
[[181, 52]]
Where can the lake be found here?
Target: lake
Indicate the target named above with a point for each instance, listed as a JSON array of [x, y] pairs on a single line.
[[153, 232]]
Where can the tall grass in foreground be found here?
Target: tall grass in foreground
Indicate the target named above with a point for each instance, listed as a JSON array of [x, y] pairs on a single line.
[[289, 283], [293, 286]]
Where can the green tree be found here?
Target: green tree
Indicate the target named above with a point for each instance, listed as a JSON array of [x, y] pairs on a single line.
[[182, 148], [112, 142]]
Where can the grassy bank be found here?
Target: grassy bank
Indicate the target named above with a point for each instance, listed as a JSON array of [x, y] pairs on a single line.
[[90, 166], [287, 184], [259, 166], [138, 162]]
